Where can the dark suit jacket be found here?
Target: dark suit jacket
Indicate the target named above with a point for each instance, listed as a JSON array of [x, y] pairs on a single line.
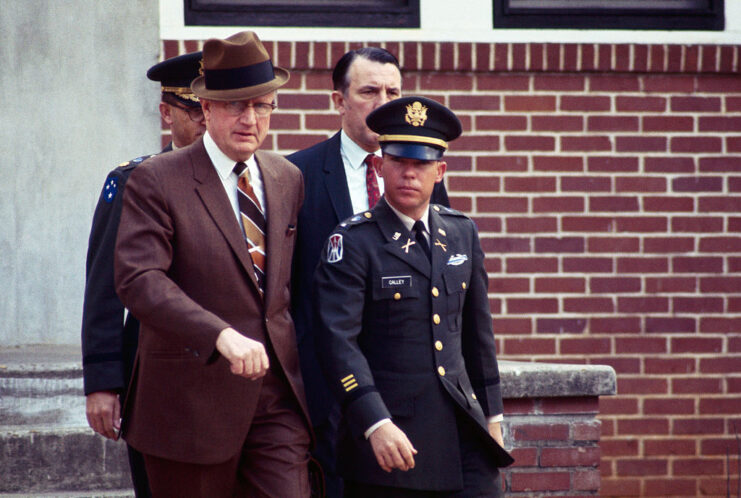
[[183, 268], [326, 203], [410, 339], [108, 341]]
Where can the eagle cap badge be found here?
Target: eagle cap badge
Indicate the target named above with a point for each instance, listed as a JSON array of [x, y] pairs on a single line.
[[416, 114]]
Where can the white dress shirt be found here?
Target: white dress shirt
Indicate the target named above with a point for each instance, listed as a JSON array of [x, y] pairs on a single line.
[[353, 158], [225, 166]]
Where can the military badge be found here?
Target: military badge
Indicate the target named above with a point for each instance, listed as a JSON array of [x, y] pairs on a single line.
[[110, 189], [334, 249], [416, 114], [457, 259]]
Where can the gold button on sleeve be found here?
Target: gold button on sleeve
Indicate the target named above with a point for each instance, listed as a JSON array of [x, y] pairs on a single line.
[[439, 345], [397, 296], [435, 292], [473, 395], [463, 284], [441, 371], [367, 214], [436, 319]]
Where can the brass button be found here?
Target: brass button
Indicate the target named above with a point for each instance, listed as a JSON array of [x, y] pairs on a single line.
[[441, 371], [473, 395], [435, 292], [436, 208], [436, 319], [439, 345], [367, 214], [463, 284], [397, 296]]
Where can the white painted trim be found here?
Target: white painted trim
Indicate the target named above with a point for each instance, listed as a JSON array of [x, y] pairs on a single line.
[[445, 20]]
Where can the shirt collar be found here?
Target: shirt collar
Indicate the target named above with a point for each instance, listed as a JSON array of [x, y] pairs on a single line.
[[409, 222], [223, 164], [354, 153]]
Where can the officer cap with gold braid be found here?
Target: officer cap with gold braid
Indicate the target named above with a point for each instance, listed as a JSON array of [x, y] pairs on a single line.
[[176, 74], [414, 127]]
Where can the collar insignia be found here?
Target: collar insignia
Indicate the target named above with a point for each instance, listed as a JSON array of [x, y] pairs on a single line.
[[406, 246]]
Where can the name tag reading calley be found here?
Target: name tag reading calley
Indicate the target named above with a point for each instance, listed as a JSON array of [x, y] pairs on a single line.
[[397, 281]]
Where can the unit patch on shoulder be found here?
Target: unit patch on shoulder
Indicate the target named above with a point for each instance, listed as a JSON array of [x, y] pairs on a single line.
[[110, 189], [334, 248]]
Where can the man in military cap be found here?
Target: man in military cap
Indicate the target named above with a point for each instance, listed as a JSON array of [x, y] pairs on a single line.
[[203, 259], [339, 181], [406, 336], [108, 342]]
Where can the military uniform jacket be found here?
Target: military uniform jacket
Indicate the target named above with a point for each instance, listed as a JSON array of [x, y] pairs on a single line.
[[108, 341], [408, 339]]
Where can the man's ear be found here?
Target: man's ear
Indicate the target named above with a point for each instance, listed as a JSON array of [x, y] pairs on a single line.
[[442, 166], [166, 113], [338, 99]]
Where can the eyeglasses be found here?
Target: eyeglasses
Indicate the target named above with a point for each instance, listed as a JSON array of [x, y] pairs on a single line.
[[237, 107], [194, 113]]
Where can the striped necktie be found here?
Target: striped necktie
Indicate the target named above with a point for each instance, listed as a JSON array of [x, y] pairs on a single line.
[[253, 221]]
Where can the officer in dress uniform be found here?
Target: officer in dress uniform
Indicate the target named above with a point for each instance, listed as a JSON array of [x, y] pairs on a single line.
[[406, 328], [108, 341]]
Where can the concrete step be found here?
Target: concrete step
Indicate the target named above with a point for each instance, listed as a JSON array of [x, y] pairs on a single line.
[[46, 446]]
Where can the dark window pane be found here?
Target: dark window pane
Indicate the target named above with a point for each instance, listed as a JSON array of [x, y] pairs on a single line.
[[610, 14], [329, 13]]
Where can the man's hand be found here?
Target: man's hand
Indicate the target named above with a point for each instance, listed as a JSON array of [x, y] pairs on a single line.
[[392, 448], [103, 411], [246, 356], [495, 429]]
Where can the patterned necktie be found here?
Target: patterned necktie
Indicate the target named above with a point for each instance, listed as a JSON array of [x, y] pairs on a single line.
[[371, 182], [419, 236], [253, 221]]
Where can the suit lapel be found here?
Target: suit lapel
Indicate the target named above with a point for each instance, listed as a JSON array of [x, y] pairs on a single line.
[[278, 217], [335, 179], [211, 191], [402, 246]]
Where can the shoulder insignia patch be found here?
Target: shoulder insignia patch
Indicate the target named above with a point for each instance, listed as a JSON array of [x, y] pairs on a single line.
[[110, 189], [334, 248]]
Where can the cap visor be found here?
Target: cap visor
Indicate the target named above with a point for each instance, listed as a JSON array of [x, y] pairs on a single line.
[[412, 151]]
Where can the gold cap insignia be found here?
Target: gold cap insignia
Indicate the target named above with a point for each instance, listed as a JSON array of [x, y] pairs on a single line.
[[416, 114]]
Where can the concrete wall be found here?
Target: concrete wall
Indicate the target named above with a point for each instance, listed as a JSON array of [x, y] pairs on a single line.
[[76, 103]]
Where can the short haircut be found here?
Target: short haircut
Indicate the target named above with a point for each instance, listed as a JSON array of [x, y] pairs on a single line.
[[375, 54]]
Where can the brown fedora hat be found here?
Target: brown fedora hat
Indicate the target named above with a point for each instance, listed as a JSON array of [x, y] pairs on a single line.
[[237, 68]]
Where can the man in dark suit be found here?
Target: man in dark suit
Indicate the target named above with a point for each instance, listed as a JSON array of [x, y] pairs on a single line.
[[108, 341], [406, 337], [338, 181], [203, 259]]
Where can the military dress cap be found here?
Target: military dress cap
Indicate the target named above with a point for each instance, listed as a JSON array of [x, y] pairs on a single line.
[[176, 74], [237, 68], [414, 127]]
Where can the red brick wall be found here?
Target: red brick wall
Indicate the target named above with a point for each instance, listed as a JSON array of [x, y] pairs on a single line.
[[555, 442], [606, 183]]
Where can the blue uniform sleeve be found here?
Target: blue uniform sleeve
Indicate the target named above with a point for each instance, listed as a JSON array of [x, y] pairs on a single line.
[[103, 312], [479, 348], [340, 296]]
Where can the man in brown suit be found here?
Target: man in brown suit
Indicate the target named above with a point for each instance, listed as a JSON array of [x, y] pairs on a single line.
[[217, 402]]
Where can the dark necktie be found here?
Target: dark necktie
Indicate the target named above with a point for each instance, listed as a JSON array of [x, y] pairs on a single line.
[[419, 236], [253, 221], [371, 182]]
